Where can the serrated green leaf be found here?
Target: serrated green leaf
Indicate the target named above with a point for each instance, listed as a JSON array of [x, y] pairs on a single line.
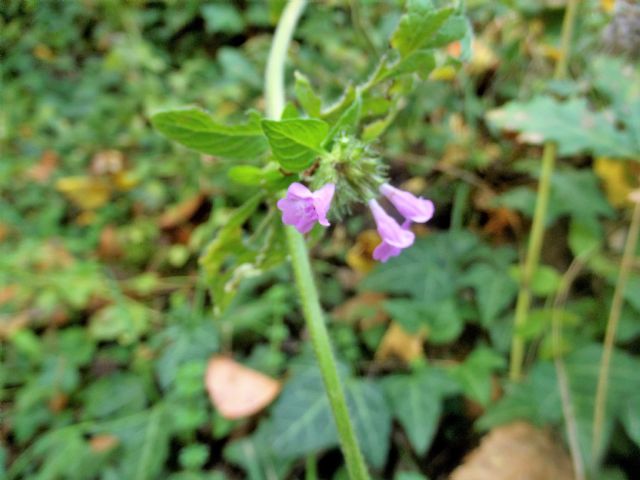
[[309, 100], [417, 28], [571, 124], [421, 62], [295, 142], [195, 129], [455, 28]]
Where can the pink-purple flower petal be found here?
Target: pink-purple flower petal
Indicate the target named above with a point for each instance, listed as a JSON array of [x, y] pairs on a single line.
[[415, 209], [302, 208]]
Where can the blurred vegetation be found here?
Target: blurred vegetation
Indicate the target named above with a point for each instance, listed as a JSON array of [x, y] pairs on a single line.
[[105, 319]]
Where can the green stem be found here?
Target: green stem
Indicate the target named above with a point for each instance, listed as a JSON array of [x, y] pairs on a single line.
[[300, 260], [537, 229], [612, 329]]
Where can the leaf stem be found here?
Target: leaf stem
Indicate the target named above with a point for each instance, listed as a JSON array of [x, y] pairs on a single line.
[[610, 335], [537, 229], [307, 291]]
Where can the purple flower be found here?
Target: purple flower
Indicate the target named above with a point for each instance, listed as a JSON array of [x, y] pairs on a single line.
[[394, 236], [302, 208], [412, 208]]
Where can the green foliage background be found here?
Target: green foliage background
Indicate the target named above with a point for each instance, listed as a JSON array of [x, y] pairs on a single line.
[[105, 321]]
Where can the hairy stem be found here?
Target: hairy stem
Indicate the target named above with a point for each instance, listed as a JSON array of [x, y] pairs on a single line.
[[307, 291], [537, 229], [610, 335]]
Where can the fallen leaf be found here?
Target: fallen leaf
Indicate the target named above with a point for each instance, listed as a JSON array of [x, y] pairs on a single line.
[[360, 255], [180, 213], [501, 220], [42, 171], [516, 451], [58, 402], [109, 246], [103, 443], [618, 179], [365, 309], [397, 343], [107, 162], [87, 193], [237, 391]]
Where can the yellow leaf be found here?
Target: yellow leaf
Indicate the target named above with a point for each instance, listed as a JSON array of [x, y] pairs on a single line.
[[397, 343], [444, 73], [618, 179], [87, 193], [360, 256], [483, 58]]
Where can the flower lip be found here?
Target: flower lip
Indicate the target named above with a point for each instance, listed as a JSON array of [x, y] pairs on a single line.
[[302, 208], [390, 231], [415, 209]]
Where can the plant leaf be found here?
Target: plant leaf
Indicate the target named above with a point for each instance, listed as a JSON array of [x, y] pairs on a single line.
[[195, 129], [295, 142], [571, 124], [309, 100], [417, 28]]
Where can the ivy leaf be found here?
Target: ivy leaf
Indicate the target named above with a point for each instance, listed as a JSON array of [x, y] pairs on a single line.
[[442, 320], [571, 124], [195, 129], [494, 290], [303, 422], [631, 418], [295, 142], [475, 373], [309, 100], [416, 401], [537, 399], [256, 455], [441, 255], [417, 28]]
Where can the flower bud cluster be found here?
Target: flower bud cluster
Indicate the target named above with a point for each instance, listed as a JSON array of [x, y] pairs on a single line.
[[351, 172]]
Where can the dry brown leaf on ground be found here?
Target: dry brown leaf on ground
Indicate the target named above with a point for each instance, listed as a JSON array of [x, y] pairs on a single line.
[[42, 171], [365, 309], [237, 391], [517, 451], [398, 343], [180, 213]]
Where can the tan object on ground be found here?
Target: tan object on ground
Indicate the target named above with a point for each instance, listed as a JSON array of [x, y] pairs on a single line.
[[237, 391], [517, 451]]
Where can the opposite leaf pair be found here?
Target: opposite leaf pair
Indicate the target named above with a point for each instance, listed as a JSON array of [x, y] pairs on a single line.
[[302, 208]]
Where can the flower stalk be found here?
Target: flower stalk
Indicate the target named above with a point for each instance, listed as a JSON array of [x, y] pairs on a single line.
[[612, 329], [307, 291], [534, 248]]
